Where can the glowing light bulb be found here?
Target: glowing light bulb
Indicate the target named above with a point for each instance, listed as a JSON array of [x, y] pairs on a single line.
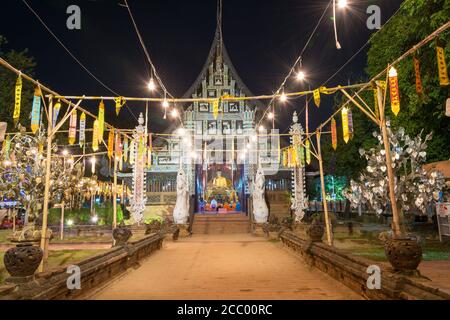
[[254, 138], [94, 219], [261, 128], [151, 85], [70, 222], [301, 76], [342, 4], [283, 97], [165, 104], [6, 163], [270, 115], [181, 132], [65, 153], [174, 113]]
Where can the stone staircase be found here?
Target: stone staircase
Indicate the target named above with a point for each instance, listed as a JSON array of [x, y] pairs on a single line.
[[221, 223]]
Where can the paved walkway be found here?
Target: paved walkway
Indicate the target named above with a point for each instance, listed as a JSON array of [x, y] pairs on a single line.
[[224, 267]]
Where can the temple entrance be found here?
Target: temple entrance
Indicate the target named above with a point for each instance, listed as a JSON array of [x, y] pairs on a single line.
[[219, 189]]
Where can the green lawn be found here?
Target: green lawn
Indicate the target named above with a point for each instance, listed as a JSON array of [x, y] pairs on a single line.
[[57, 259]]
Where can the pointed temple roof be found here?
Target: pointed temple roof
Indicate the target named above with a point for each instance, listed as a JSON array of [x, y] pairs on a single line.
[[217, 47]]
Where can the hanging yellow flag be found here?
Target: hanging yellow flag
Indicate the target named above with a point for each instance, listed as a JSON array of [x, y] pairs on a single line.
[[345, 129], [73, 127], [120, 101], [285, 158], [395, 94], [216, 109], [316, 94], [36, 111], [308, 151], [95, 136], [294, 157], [333, 134], [110, 144], [442, 66], [419, 86], [18, 99], [101, 121]]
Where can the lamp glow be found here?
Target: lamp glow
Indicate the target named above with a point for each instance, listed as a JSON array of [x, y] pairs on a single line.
[[301, 76], [94, 219], [151, 85], [165, 104], [270, 115], [342, 4], [174, 113], [283, 97]]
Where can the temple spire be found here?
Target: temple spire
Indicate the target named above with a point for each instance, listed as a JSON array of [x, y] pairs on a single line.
[[219, 35]]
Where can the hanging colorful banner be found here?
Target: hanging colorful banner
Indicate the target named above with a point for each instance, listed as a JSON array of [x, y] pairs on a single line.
[[110, 144], [419, 86], [394, 89], [345, 128], [125, 149], [95, 136], [302, 156], [308, 151], [216, 109], [132, 151], [350, 122], [36, 111], [150, 150], [101, 121], [442, 66], [73, 127], [333, 134], [56, 110], [120, 102], [118, 146], [285, 158], [18, 99], [316, 94], [6, 147], [82, 136]]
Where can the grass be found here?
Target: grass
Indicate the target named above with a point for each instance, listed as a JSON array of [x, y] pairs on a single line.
[[4, 234], [56, 259]]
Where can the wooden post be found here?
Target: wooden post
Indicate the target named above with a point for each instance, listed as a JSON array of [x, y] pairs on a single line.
[[48, 165], [14, 219], [115, 193], [324, 195], [62, 220], [390, 172]]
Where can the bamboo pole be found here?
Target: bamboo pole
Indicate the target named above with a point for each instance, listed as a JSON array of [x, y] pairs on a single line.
[[62, 221], [390, 172], [48, 164], [324, 195], [115, 193]]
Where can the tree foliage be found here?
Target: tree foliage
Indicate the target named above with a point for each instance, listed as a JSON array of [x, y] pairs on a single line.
[[22, 61], [415, 20]]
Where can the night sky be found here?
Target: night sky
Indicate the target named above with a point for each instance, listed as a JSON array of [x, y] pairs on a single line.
[[262, 37]]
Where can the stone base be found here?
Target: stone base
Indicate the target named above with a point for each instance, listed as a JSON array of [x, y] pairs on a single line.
[[258, 230], [19, 280], [184, 231]]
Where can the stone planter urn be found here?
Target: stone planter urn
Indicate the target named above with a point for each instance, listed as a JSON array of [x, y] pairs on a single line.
[[121, 235], [23, 260], [315, 231], [404, 253], [153, 227]]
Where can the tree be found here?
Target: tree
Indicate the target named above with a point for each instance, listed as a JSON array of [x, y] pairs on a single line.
[[414, 187], [414, 22], [22, 61]]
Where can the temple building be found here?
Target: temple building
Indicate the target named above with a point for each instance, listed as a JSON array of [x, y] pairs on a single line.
[[215, 149]]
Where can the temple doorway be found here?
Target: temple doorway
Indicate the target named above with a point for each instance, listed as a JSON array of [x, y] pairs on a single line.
[[220, 189]]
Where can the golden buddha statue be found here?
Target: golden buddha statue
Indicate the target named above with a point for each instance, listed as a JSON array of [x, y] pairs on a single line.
[[220, 181]]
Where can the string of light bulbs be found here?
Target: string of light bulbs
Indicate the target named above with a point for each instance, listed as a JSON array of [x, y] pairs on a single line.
[[73, 56]]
